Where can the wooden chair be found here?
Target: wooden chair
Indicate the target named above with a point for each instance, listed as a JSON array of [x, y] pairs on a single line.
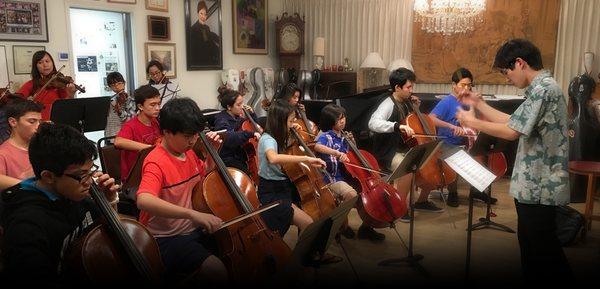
[[110, 157]]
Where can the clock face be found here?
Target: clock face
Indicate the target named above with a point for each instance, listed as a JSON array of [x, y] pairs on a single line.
[[290, 38]]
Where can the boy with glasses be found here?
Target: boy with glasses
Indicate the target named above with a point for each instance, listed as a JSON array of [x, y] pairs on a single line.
[[122, 105], [45, 214]]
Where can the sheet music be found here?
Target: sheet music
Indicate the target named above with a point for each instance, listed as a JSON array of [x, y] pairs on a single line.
[[171, 91], [472, 171]]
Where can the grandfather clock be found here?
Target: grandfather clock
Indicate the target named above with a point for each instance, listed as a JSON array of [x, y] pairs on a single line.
[[290, 40]]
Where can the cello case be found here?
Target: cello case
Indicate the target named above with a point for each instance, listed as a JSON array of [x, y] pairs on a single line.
[[583, 133], [281, 80], [257, 81], [269, 83], [316, 81], [231, 79], [304, 83]]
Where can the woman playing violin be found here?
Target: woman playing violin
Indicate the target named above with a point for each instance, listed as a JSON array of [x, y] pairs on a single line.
[[122, 105], [231, 119], [444, 118], [156, 73], [42, 70], [388, 145]]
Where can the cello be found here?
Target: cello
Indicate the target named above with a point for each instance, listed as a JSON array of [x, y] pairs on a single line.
[[251, 147], [119, 249], [316, 197], [249, 249], [381, 204], [434, 173]]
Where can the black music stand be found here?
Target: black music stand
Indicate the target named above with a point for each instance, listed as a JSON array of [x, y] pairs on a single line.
[[84, 114], [317, 237], [484, 145], [414, 159]]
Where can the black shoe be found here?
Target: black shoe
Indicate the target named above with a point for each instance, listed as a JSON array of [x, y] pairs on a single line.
[[366, 232], [452, 200], [348, 232], [483, 197], [427, 206]]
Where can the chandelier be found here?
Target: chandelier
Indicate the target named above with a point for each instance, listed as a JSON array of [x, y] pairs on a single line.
[[449, 16]]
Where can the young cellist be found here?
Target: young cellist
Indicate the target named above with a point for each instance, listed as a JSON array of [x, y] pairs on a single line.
[[332, 147]]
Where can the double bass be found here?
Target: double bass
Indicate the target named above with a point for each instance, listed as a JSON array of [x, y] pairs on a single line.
[[249, 249], [434, 173], [316, 197], [381, 204], [118, 250]]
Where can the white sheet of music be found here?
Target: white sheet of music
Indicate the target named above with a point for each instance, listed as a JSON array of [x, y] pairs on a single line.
[[472, 171]]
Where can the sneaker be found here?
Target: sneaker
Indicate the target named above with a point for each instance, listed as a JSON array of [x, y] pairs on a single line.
[[348, 232], [483, 197], [405, 218], [427, 206], [366, 232], [452, 200]]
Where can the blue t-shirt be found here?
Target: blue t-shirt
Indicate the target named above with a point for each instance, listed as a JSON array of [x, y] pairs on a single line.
[[265, 169], [446, 110], [331, 140]]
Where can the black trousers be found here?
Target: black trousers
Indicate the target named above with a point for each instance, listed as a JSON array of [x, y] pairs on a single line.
[[542, 257]]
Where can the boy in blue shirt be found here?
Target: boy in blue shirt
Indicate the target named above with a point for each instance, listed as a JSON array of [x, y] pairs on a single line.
[[444, 118]]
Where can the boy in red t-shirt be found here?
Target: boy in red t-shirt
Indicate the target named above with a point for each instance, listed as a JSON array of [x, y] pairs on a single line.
[[169, 174], [141, 131]]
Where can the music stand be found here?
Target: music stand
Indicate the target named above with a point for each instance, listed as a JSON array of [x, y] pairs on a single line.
[[167, 92], [414, 159], [84, 114], [318, 236]]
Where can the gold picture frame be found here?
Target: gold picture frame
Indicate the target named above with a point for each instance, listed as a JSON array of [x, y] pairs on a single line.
[[158, 5], [164, 53]]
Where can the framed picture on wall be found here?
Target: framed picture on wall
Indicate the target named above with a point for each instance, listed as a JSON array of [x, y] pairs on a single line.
[[158, 28], [23, 20], [123, 1], [4, 79], [204, 50], [22, 57], [250, 27], [158, 5], [163, 53]]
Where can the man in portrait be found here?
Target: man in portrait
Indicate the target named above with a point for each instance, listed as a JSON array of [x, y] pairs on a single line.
[[205, 45]]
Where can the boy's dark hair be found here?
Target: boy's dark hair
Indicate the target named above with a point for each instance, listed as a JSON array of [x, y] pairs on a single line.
[[288, 91], [507, 54], [181, 115], [330, 114], [145, 92], [56, 146], [461, 73], [154, 63], [277, 122], [114, 77], [400, 76], [227, 96], [17, 108]]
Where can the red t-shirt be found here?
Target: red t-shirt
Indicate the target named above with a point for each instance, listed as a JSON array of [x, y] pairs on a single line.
[[135, 130], [14, 162], [47, 97], [172, 180]]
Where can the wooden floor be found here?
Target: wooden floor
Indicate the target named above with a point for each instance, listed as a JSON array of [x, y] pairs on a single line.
[[442, 239]]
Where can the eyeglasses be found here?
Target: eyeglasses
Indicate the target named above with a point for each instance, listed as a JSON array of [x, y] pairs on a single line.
[[511, 66], [116, 84], [85, 177], [463, 85], [155, 73]]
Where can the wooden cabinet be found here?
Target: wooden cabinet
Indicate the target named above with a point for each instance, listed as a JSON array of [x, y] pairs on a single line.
[[334, 84]]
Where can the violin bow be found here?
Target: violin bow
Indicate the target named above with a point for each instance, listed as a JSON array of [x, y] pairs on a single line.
[[46, 84]]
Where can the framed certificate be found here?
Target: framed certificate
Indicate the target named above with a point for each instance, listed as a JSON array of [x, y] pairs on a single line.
[[22, 57]]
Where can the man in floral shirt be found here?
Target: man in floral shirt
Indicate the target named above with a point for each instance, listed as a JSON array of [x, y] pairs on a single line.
[[540, 179]]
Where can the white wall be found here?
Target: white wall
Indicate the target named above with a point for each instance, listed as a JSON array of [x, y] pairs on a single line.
[[199, 85]]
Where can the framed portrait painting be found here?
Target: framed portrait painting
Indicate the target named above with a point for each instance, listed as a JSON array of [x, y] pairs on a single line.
[[163, 53], [23, 20], [158, 28], [204, 50], [250, 27]]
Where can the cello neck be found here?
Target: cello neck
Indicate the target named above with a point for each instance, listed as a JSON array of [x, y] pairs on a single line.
[[139, 262], [305, 120], [356, 151], [227, 179], [308, 151], [252, 121]]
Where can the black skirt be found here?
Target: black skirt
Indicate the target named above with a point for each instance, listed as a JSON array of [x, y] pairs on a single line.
[[279, 218]]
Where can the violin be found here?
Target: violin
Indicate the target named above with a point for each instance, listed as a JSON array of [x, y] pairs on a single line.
[[316, 197], [251, 147], [59, 81], [435, 173], [381, 204], [249, 249], [5, 91], [118, 250]]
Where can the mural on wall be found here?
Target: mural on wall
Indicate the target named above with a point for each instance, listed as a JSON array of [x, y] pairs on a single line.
[[436, 57]]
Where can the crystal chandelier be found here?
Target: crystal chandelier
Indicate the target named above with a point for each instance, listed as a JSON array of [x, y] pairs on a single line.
[[449, 16]]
